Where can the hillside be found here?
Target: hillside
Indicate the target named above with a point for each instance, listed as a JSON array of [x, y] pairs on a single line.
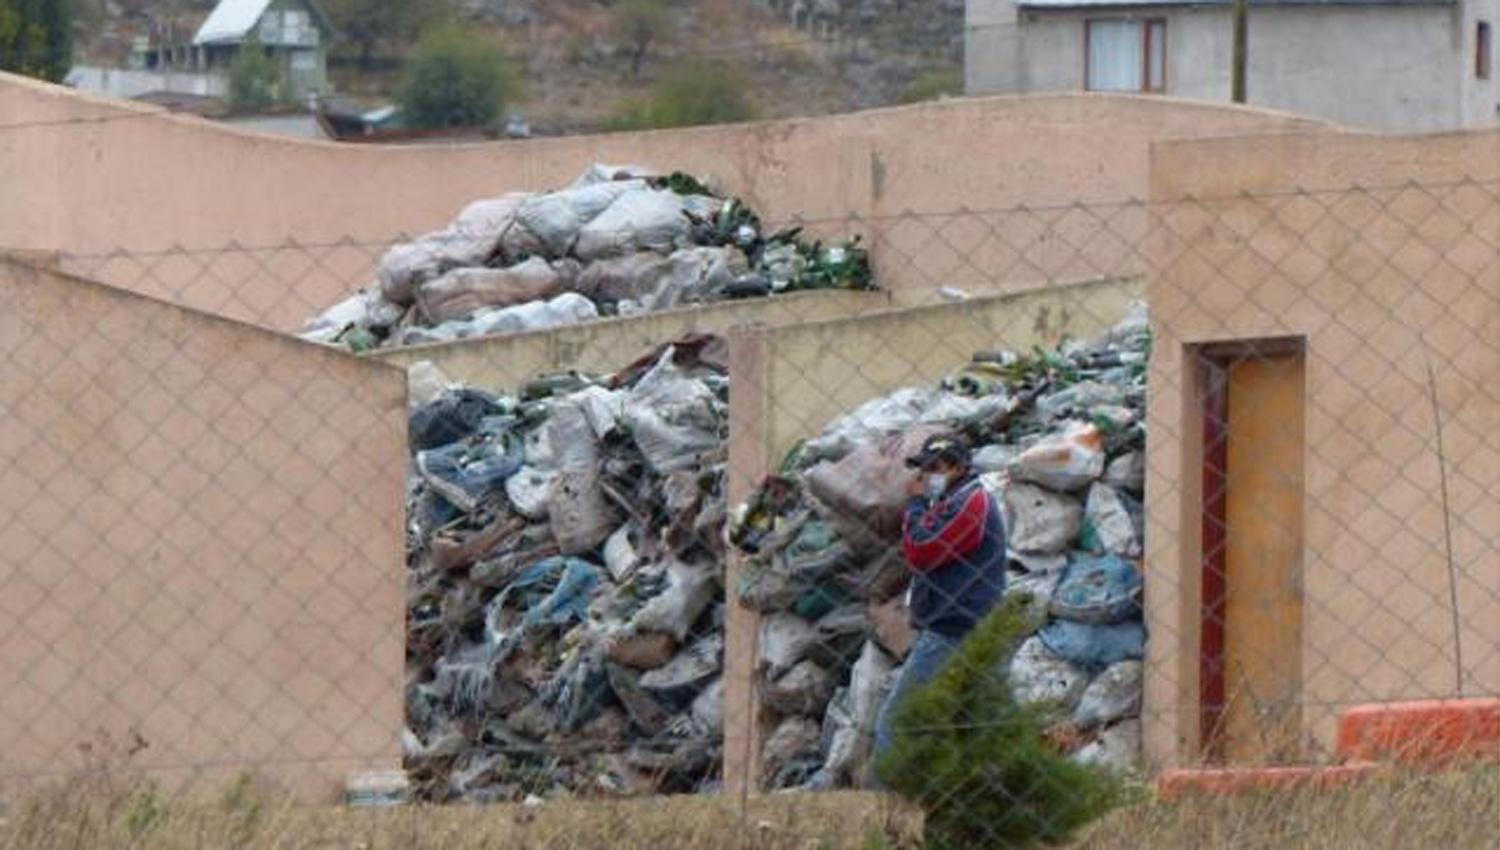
[[798, 57]]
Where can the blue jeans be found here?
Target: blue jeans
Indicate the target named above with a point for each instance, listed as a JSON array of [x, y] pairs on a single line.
[[928, 654]]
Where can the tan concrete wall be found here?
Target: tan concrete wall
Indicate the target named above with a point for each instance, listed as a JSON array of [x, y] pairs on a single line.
[[506, 362], [1383, 283], [92, 177], [790, 382], [201, 544]]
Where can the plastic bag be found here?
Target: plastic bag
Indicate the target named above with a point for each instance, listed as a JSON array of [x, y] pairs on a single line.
[[1094, 646], [461, 292], [1114, 695], [1105, 589], [690, 589], [1063, 462], [639, 220], [1038, 675], [1038, 521]]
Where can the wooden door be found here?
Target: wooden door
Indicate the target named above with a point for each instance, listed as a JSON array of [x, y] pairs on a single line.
[[1257, 718]]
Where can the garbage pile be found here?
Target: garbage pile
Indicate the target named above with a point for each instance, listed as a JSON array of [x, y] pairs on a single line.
[[618, 241], [1059, 438], [565, 602]]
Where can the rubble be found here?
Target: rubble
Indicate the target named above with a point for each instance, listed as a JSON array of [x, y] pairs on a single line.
[[1058, 437], [620, 240], [567, 544], [565, 616]]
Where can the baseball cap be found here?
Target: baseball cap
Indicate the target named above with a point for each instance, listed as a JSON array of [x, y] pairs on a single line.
[[940, 447]]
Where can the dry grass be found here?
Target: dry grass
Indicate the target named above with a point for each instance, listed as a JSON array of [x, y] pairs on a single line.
[[1456, 811], [1452, 811]]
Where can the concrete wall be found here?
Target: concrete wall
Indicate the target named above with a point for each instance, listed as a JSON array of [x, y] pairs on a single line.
[[201, 549], [1382, 284], [506, 362], [106, 181], [1381, 67], [790, 382]]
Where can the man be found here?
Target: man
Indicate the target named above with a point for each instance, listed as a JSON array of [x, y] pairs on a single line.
[[954, 542]]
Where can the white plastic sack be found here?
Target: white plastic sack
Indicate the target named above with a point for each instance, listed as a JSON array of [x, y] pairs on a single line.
[[603, 173], [601, 407], [623, 279], [672, 417], [874, 419], [1064, 462], [1036, 676], [1115, 694], [620, 557], [1127, 472], [805, 689], [690, 589], [1117, 748], [640, 220], [1038, 521], [529, 492], [1114, 528], [468, 241], [549, 224], [462, 292], [569, 308], [694, 275], [425, 382], [868, 685], [785, 640], [708, 707]]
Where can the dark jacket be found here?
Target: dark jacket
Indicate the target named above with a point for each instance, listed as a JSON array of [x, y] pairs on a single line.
[[955, 548]]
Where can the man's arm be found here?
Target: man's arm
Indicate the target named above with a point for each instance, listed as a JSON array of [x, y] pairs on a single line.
[[931, 537]]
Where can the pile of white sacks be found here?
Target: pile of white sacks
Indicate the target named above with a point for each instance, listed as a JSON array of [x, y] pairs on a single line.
[[618, 241], [1059, 438]]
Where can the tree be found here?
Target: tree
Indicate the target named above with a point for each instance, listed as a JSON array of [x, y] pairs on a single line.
[[976, 761], [36, 38], [692, 94], [254, 79], [456, 78], [369, 23], [638, 24]]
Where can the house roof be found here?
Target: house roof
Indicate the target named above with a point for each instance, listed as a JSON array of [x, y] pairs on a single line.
[[232, 20], [1121, 4]]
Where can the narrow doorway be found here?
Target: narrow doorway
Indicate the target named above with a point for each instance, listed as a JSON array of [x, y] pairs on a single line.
[[1251, 630]]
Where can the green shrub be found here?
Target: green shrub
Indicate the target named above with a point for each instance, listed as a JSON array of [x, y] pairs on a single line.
[[690, 95], [254, 79], [638, 24], [36, 38], [975, 760], [456, 78], [934, 84]]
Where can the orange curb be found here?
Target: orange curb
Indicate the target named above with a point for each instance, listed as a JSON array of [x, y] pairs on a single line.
[[1423, 733], [1175, 784]]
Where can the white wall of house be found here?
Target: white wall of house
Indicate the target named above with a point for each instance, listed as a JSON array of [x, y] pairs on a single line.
[[1400, 68], [128, 83]]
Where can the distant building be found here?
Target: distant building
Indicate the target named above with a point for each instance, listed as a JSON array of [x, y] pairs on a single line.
[[295, 33], [1399, 65]]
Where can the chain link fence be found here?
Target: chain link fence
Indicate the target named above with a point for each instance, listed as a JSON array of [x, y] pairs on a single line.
[[1230, 462]]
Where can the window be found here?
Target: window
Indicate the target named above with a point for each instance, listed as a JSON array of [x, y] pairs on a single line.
[[304, 60], [1482, 49], [1124, 55]]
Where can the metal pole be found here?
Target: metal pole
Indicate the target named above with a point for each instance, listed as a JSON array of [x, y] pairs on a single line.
[[1237, 73]]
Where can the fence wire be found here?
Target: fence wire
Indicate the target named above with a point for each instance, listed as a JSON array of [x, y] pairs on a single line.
[[1229, 463]]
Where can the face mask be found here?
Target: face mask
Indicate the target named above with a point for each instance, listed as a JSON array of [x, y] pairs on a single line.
[[937, 485]]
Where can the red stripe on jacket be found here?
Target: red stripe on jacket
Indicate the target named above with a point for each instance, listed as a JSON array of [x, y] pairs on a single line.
[[961, 535]]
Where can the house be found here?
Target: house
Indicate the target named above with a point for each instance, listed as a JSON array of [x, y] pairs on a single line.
[[295, 33], [1397, 65]]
